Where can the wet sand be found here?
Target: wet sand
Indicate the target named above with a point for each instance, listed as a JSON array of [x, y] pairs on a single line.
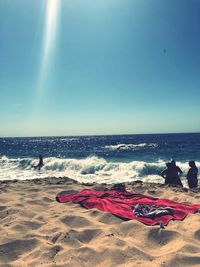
[[36, 230]]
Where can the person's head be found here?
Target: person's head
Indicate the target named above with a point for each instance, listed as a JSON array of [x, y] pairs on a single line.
[[173, 162], [192, 163], [168, 165]]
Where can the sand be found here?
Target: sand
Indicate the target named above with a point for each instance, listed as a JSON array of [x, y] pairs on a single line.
[[36, 230]]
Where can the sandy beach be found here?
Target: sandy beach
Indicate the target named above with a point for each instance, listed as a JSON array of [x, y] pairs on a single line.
[[36, 230]]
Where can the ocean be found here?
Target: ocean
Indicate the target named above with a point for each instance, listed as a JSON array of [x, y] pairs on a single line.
[[102, 159]]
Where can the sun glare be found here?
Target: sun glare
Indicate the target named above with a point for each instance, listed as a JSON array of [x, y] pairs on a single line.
[[48, 43], [47, 56], [50, 28]]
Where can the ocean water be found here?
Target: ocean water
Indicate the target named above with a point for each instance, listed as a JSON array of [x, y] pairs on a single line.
[[102, 159]]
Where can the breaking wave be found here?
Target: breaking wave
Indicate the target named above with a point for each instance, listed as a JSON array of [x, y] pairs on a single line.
[[130, 146], [90, 169]]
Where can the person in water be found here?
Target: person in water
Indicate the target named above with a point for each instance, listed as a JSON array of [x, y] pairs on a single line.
[[40, 163], [170, 174], [192, 175]]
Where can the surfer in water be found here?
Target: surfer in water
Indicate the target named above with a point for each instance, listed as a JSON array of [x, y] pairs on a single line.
[[40, 163]]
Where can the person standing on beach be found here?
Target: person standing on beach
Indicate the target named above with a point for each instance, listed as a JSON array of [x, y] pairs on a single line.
[[170, 174], [166, 174], [192, 175], [179, 171], [176, 173]]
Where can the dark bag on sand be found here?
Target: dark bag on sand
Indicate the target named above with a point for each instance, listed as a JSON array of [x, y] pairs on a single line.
[[119, 187]]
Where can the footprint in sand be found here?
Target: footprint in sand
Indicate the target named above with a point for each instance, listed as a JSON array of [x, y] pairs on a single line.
[[181, 260], [13, 250], [66, 238], [130, 228], [108, 218], [86, 253], [85, 236], [189, 249], [157, 236], [7, 212], [137, 254], [75, 238], [25, 226], [75, 221], [166, 240], [197, 235]]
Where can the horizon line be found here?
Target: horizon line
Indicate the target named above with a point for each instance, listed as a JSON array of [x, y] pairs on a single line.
[[85, 135]]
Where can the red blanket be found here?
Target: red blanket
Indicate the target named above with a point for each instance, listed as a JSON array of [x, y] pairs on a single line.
[[146, 209]]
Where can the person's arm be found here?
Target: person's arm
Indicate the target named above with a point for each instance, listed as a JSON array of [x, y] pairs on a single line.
[[163, 174]]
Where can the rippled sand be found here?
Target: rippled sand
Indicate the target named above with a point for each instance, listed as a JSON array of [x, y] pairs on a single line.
[[36, 230]]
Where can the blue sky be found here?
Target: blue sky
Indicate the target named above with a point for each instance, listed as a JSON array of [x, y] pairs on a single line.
[[73, 67]]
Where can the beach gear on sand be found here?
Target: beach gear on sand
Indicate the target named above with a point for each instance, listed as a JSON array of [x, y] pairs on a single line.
[[126, 205]]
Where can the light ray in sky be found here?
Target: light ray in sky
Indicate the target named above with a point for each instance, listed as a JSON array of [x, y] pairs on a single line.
[[49, 43], [47, 56]]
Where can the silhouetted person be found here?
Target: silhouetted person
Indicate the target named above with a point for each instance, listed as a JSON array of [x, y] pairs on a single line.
[[179, 171], [192, 175], [170, 175], [166, 174], [40, 163], [176, 173]]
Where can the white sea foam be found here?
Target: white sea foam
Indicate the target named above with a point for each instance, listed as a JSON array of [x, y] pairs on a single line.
[[130, 146], [90, 169]]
